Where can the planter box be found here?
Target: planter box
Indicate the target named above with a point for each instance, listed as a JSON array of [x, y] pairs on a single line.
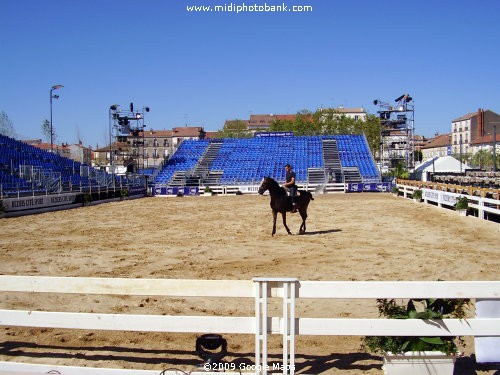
[[462, 212], [419, 363]]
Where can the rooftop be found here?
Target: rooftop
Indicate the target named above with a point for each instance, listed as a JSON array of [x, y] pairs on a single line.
[[442, 140]]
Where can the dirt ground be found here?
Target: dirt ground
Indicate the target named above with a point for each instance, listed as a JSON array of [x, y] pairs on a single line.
[[349, 237]]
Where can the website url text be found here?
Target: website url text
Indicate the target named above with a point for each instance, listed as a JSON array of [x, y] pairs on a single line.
[[240, 8]]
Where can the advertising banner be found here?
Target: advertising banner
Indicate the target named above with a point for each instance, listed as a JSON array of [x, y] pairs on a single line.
[[40, 201], [186, 190], [373, 187]]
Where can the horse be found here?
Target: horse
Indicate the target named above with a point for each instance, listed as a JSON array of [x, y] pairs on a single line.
[[282, 203]]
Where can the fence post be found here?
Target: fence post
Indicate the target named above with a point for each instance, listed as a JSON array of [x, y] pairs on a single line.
[[288, 291], [289, 327], [480, 211], [261, 325]]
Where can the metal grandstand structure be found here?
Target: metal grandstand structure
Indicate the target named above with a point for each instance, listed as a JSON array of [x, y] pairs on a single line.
[[242, 162], [397, 130], [126, 127]]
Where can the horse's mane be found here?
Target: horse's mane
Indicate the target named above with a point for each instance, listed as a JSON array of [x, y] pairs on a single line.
[[275, 186]]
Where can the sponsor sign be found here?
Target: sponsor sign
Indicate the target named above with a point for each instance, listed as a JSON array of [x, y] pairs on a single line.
[[248, 189], [186, 190], [273, 134], [137, 190], [41, 201], [431, 195], [369, 187]]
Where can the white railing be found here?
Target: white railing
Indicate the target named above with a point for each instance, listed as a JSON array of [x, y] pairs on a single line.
[[261, 324], [253, 189], [448, 199]]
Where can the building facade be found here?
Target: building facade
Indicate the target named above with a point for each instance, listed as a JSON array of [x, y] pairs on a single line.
[[145, 150], [263, 122], [438, 146], [76, 152], [471, 129]]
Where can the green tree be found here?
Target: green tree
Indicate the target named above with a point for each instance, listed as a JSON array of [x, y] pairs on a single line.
[[482, 159], [46, 131], [234, 129], [331, 121], [400, 171], [6, 125], [371, 129], [282, 126]]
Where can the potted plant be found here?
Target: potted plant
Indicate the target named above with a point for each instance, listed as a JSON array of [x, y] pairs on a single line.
[[418, 355], [461, 205], [417, 195], [208, 191], [395, 190], [123, 194]]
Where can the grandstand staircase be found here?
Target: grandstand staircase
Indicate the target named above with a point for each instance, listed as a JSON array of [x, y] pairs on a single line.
[[352, 175], [213, 178], [315, 175], [333, 167], [200, 174], [178, 179]]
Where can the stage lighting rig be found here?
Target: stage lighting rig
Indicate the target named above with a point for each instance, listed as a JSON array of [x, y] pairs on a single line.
[[396, 131], [127, 126]]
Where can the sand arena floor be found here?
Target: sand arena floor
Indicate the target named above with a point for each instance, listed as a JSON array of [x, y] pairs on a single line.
[[350, 237]]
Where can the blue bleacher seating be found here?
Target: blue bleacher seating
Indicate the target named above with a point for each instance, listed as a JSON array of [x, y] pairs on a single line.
[[246, 161], [14, 154]]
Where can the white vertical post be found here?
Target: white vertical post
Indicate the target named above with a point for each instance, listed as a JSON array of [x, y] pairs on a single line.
[[286, 324], [289, 337], [261, 325], [480, 211], [287, 286]]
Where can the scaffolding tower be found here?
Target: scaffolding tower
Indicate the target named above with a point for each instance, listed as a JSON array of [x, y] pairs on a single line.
[[126, 128], [397, 132]]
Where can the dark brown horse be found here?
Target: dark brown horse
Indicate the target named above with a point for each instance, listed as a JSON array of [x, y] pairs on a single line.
[[282, 203]]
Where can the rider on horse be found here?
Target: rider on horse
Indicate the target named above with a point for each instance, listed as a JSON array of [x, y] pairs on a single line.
[[290, 185]]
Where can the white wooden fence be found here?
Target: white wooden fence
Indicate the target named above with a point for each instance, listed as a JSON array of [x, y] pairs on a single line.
[[448, 199], [261, 324]]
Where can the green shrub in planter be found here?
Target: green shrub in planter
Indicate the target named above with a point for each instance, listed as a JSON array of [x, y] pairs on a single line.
[[418, 309], [417, 195], [462, 203], [395, 190]]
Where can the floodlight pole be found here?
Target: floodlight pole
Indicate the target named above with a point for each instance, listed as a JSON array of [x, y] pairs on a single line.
[[55, 87], [112, 110]]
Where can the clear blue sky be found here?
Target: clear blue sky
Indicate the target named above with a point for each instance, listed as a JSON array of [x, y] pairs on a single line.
[[203, 68]]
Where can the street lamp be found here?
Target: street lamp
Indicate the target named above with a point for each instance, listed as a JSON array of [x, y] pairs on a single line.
[[56, 87], [112, 114]]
